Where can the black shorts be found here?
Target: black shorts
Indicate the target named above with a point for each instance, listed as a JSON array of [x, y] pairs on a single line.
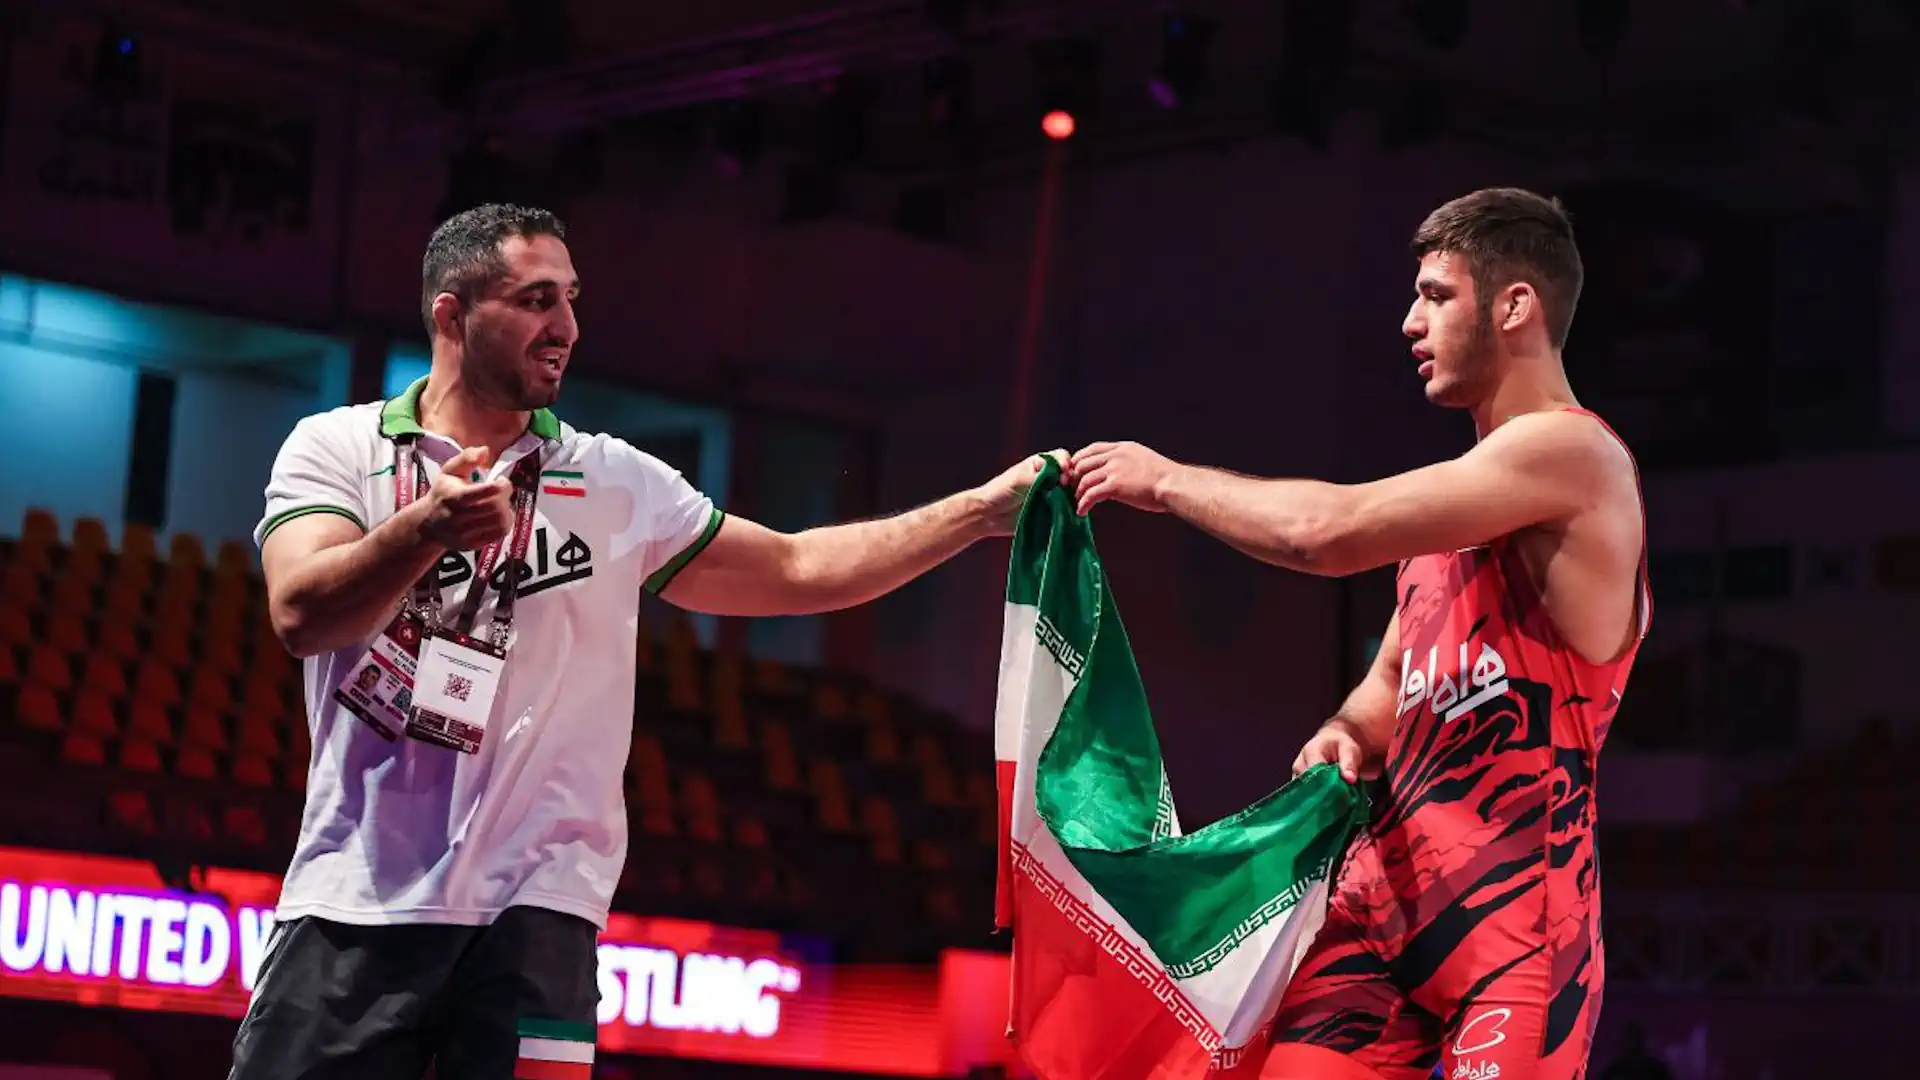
[[382, 1002]]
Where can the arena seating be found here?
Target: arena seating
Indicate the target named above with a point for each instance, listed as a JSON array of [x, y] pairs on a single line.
[[1833, 822], [147, 709]]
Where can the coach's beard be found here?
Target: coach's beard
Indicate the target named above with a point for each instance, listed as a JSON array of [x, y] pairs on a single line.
[[508, 383]]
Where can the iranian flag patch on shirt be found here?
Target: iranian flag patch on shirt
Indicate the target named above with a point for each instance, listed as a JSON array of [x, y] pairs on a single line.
[[554, 1050], [563, 483]]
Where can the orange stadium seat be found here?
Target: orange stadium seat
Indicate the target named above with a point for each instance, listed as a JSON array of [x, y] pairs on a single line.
[[683, 668], [67, 629], [252, 770], [936, 778], [211, 687], [131, 811], [195, 762], [649, 789], [186, 552], [707, 881], [150, 720], [871, 706], [16, 629], [700, 808], [770, 677], [830, 702], [80, 749], [105, 673], [233, 560], [87, 554], [121, 614], [157, 682], [262, 696], [883, 742], [830, 796], [138, 547], [931, 855], [25, 577], [879, 822], [140, 755], [259, 736], [750, 833], [94, 714], [79, 573], [204, 728], [943, 906], [50, 668], [729, 706], [783, 766], [39, 533]]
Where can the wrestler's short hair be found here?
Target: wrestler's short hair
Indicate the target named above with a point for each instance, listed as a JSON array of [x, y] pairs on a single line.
[[1508, 235], [464, 254]]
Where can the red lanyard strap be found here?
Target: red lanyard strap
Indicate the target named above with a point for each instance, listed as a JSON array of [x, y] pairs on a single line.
[[410, 483]]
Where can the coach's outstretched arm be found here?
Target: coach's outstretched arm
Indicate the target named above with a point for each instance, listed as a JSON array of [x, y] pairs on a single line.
[[749, 569], [1536, 469], [330, 582]]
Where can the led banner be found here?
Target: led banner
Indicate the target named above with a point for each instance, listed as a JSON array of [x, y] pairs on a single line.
[[101, 931]]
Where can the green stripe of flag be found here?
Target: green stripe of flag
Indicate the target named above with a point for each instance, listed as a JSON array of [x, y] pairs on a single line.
[[557, 472], [1191, 897]]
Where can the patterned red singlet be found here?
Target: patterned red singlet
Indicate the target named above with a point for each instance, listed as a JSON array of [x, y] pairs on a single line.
[[1464, 929]]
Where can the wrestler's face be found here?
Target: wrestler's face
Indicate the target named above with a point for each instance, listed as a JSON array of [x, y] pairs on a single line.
[[517, 336], [1452, 332]]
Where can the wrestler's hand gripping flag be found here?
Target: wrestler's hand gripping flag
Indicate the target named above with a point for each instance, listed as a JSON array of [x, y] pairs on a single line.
[[1137, 952]]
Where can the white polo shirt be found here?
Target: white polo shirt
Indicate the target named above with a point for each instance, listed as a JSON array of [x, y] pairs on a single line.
[[408, 832]]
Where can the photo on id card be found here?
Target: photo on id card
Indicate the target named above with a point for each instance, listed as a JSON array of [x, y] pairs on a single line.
[[380, 689]]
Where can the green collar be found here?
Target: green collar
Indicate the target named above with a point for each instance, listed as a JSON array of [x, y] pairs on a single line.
[[401, 416]]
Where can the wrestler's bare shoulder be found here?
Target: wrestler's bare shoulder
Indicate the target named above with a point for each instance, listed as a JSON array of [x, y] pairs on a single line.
[[1587, 569]]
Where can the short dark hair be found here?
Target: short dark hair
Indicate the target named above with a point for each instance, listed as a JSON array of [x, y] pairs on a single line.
[[1508, 235], [464, 253]]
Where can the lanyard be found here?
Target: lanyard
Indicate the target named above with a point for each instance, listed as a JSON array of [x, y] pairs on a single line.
[[410, 483]]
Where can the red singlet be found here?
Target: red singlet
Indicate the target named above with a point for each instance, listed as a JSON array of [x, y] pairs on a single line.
[[1464, 929]]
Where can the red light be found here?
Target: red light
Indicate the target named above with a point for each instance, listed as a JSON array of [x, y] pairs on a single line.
[[1058, 124]]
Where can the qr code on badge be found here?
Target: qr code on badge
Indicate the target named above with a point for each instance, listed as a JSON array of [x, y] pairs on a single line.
[[458, 686]]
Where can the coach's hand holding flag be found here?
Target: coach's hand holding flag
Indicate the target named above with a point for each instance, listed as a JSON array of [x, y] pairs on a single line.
[[1137, 951]]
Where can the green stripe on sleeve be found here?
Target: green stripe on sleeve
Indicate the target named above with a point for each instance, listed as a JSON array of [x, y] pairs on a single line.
[[536, 1028], [285, 516], [664, 576]]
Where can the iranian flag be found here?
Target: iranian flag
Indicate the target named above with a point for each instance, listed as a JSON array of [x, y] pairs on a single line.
[[1138, 952], [571, 484]]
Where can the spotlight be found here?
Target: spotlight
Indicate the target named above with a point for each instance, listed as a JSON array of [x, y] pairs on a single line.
[[1058, 125]]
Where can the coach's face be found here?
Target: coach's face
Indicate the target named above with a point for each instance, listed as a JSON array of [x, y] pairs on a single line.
[[518, 336], [1453, 340]]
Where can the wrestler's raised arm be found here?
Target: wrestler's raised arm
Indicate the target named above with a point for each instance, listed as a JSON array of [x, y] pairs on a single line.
[[1542, 468], [1356, 737]]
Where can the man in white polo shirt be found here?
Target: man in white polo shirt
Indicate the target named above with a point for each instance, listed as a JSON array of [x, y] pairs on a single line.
[[464, 826]]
